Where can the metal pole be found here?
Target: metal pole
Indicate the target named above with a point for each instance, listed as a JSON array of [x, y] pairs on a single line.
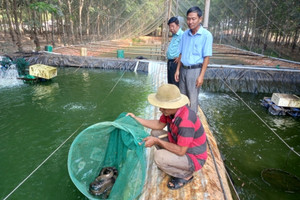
[[165, 36], [177, 8], [206, 13]]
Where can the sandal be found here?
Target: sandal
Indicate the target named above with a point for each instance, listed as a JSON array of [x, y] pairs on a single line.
[[178, 182]]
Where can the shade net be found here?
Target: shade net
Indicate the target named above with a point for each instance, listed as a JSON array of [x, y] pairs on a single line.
[[110, 144], [251, 80]]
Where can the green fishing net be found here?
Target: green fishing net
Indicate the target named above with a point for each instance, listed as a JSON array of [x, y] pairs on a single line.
[[110, 144]]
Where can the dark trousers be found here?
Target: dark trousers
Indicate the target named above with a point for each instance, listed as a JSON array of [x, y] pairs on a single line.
[[172, 66]]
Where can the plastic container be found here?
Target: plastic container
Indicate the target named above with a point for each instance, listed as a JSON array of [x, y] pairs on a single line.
[[43, 71], [48, 48], [286, 100], [83, 52], [120, 53]]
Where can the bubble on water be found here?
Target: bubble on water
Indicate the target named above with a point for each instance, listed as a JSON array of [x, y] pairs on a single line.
[[74, 106], [78, 106], [249, 141]]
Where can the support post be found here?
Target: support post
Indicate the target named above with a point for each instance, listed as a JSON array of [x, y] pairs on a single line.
[[165, 32], [177, 8], [206, 13]]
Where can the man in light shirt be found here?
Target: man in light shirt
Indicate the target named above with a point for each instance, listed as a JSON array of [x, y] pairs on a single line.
[[173, 49], [195, 49]]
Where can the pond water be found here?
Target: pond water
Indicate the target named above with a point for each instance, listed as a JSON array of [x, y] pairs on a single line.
[[249, 147], [37, 118]]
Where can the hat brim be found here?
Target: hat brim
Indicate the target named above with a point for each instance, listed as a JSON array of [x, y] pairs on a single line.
[[182, 101]]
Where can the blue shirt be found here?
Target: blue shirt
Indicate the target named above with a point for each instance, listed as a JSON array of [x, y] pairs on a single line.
[[173, 49], [194, 48]]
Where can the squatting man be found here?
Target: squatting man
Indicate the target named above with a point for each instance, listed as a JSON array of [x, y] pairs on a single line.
[[183, 151]]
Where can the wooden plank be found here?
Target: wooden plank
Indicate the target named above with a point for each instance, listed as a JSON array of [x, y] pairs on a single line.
[[206, 183]]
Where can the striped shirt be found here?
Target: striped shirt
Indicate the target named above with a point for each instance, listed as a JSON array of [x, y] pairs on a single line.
[[185, 129]]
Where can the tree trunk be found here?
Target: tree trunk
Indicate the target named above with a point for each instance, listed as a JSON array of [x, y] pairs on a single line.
[[241, 31], [279, 39], [282, 40], [21, 21], [52, 30], [98, 25], [221, 32], [40, 15], [288, 39], [234, 30], [34, 33], [254, 31], [294, 44], [80, 19], [62, 26], [3, 26], [88, 18], [46, 27], [265, 38], [246, 36], [17, 30], [71, 20], [11, 32], [276, 38]]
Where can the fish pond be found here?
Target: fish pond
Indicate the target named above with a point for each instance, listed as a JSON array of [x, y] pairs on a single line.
[[37, 118], [260, 165]]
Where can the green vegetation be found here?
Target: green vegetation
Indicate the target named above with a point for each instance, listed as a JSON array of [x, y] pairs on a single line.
[[270, 25]]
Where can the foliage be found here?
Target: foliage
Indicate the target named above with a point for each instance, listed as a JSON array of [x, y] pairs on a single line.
[[250, 23]]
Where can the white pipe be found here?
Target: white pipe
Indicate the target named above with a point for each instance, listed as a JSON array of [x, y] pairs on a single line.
[[136, 66]]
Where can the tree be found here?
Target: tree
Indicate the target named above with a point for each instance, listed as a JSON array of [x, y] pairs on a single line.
[[11, 29]]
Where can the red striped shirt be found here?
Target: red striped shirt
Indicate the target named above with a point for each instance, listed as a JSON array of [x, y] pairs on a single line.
[[185, 129]]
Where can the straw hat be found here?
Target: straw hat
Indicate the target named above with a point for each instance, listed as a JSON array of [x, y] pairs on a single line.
[[168, 96]]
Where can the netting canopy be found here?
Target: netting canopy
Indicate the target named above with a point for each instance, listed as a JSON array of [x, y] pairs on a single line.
[[269, 27], [110, 144]]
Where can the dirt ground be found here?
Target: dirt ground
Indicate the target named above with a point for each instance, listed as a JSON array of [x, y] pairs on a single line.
[[98, 49], [103, 48]]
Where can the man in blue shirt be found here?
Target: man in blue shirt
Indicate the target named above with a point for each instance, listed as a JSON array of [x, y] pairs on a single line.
[[195, 49], [173, 49]]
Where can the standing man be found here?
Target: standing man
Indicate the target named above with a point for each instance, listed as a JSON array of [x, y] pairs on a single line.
[[184, 150], [173, 49], [195, 49]]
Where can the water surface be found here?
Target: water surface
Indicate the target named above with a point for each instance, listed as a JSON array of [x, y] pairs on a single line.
[[248, 146], [37, 118]]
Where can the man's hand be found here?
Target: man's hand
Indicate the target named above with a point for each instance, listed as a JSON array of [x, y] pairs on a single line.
[[131, 115], [176, 76], [177, 60], [150, 141], [199, 81]]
